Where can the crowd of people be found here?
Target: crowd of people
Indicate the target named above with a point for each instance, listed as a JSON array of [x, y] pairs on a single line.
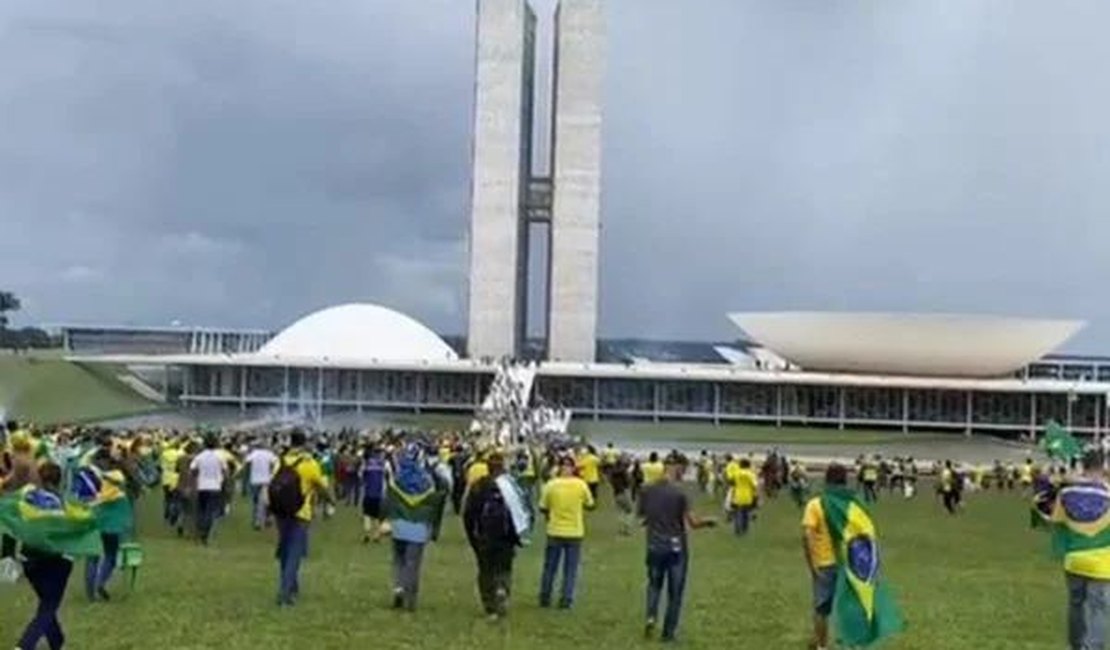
[[406, 483]]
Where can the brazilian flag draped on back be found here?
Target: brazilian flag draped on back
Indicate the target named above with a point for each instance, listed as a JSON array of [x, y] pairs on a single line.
[[424, 507], [43, 520], [1081, 528], [864, 610], [103, 492]]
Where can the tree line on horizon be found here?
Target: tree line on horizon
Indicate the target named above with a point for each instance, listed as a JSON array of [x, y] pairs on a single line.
[[22, 338]]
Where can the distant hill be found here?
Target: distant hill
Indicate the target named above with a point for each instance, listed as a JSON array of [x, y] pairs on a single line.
[[48, 389]]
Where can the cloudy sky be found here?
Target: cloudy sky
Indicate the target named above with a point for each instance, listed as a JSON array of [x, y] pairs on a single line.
[[240, 163]]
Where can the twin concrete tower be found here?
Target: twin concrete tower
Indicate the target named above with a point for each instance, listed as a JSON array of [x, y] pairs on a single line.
[[518, 206]]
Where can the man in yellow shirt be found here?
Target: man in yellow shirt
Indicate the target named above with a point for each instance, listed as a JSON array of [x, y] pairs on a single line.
[[742, 496], [563, 502], [653, 469], [589, 468], [171, 507], [293, 521], [821, 557]]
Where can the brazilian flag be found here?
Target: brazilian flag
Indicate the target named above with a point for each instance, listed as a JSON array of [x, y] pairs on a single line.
[[424, 507], [1081, 523], [103, 492], [43, 520], [864, 609]]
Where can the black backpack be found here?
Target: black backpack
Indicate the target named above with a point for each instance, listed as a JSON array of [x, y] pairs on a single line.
[[495, 524], [286, 496]]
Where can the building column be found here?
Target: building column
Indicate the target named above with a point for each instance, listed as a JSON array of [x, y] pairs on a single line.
[[778, 405], [285, 395], [1033, 418], [1072, 397], [358, 390], [243, 375], [655, 401], [840, 408], [905, 410], [969, 413], [597, 399], [717, 403]]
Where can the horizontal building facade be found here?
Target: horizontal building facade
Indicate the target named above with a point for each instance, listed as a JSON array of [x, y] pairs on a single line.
[[664, 393]]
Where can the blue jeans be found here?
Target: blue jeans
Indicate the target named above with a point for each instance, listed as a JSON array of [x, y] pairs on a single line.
[[741, 519], [209, 508], [48, 575], [1088, 607], [569, 551], [666, 566], [291, 549], [258, 494], [98, 570]]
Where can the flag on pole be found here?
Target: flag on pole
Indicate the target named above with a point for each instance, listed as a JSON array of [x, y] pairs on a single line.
[[1059, 444]]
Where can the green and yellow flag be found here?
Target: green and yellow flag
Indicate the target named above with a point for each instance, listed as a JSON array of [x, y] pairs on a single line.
[[1081, 527], [1059, 444], [864, 609], [43, 520]]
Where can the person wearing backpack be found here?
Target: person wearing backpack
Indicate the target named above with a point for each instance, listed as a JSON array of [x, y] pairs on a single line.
[[292, 494], [497, 518]]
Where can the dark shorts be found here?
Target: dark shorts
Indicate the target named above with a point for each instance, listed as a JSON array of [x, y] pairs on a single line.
[[372, 508], [824, 588]]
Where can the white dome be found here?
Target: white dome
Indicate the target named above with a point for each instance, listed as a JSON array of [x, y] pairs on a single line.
[[907, 344], [359, 332]]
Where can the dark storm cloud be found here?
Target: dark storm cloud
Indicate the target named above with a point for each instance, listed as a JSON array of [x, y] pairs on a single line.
[[241, 163]]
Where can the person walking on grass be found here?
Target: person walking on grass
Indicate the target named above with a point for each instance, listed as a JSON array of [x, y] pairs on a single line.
[[292, 493], [414, 507], [840, 545], [52, 532], [497, 519], [743, 492], [261, 462], [210, 471], [102, 486], [665, 511], [374, 472], [563, 502], [1081, 537]]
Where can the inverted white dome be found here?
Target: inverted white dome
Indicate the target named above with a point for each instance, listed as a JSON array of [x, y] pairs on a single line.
[[359, 332], [906, 344]]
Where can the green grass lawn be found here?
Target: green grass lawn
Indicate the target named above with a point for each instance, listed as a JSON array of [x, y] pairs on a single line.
[[46, 389], [978, 581]]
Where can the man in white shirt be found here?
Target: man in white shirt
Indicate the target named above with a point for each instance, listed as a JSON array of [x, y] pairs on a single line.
[[209, 469], [261, 463]]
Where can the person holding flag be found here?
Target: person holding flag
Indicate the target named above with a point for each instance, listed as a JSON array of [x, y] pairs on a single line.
[[51, 532], [1080, 522], [101, 485], [841, 550]]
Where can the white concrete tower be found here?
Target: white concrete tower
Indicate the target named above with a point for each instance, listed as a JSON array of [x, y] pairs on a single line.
[[508, 196], [576, 206], [501, 152]]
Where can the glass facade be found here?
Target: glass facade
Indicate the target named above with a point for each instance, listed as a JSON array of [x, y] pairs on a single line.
[[658, 399]]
